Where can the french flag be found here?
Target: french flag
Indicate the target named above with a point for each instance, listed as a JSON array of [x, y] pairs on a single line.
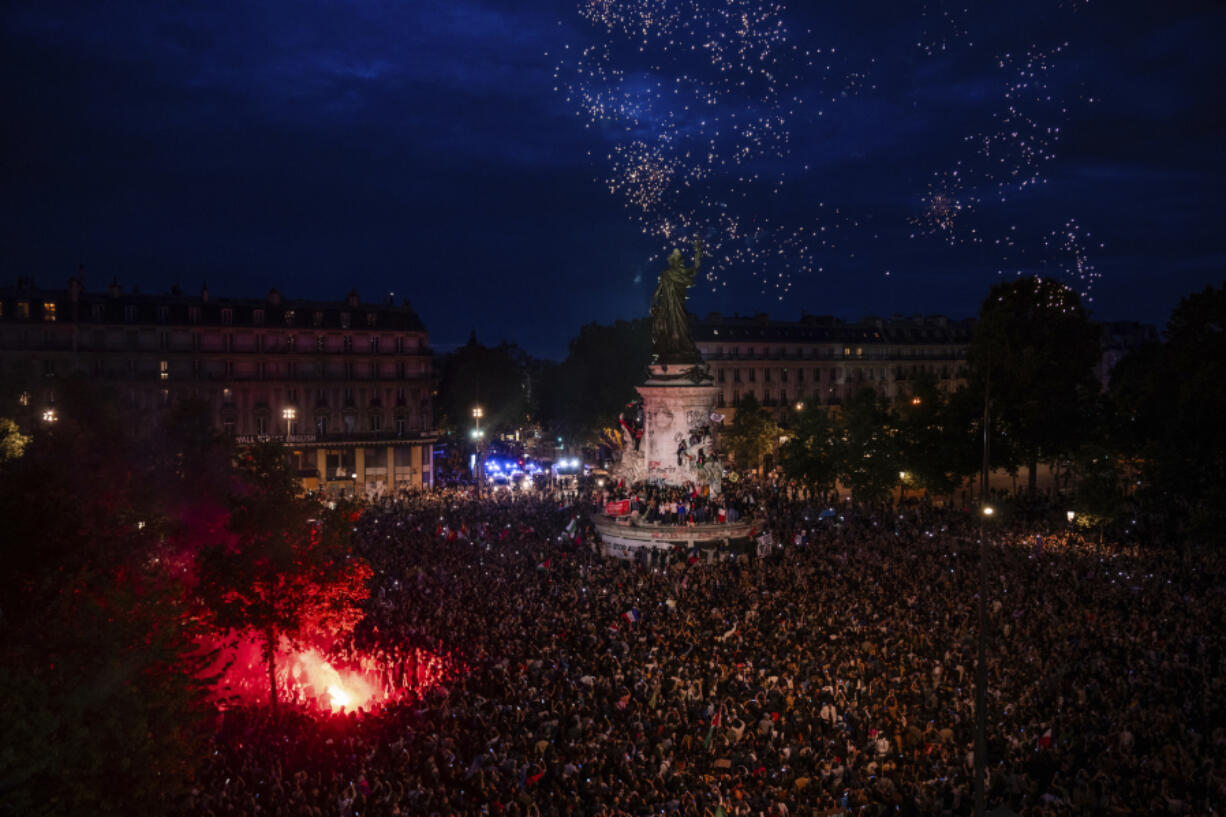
[[693, 557], [631, 616]]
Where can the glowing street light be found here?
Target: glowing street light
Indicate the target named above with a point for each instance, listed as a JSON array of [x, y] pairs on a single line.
[[49, 416], [1071, 516], [988, 510]]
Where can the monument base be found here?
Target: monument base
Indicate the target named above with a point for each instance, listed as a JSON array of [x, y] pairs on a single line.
[[622, 538], [679, 433]]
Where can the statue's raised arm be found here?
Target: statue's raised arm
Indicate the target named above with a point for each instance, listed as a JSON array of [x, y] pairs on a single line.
[[670, 326]]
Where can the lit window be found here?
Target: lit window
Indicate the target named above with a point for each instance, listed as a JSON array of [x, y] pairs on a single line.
[[48, 310], [23, 310], [289, 317], [164, 369]]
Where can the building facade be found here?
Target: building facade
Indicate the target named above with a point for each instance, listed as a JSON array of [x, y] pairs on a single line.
[[346, 386], [823, 359]]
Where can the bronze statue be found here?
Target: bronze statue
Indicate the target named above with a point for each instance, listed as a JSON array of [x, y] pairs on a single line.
[[670, 326]]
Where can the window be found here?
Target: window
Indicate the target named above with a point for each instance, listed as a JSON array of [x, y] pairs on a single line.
[[23, 310], [227, 425], [257, 317], [49, 310], [766, 395], [349, 370], [399, 345], [345, 320], [48, 368], [129, 313], [290, 315], [229, 368], [349, 397], [800, 375], [376, 422], [400, 426], [24, 398], [736, 397], [321, 343], [227, 316], [164, 369], [197, 341], [261, 424], [752, 375], [859, 351], [719, 375], [351, 423], [163, 314], [374, 345], [95, 312], [227, 396], [291, 342], [193, 314], [348, 343], [372, 318], [321, 424], [783, 375], [736, 375], [400, 401], [766, 375], [317, 319], [263, 370]]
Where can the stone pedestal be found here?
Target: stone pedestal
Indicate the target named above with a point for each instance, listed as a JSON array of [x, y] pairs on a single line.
[[677, 405]]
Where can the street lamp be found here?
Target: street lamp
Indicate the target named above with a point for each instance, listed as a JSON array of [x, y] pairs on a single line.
[[902, 487], [49, 416], [290, 415], [1071, 516], [478, 413]]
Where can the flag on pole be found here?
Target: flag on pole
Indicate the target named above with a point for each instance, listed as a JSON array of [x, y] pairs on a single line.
[[631, 616], [572, 526], [715, 721]]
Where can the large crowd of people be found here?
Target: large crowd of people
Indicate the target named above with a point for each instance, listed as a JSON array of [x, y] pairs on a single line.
[[835, 675]]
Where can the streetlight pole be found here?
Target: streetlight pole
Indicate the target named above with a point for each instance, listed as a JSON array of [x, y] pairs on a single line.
[[981, 666], [477, 415]]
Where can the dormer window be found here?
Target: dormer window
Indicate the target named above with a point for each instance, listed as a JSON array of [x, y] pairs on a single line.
[[289, 317], [49, 310], [227, 316], [345, 320], [257, 317], [372, 318]]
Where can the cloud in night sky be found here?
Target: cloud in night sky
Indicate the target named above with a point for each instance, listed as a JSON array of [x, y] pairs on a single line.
[[421, 148]]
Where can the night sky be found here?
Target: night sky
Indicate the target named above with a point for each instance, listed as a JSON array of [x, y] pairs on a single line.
[[439, 150]]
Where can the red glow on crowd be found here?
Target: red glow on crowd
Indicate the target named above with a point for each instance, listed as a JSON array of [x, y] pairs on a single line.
[[307, 678]]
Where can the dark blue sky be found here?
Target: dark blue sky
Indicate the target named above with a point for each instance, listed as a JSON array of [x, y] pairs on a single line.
[[420, 147]]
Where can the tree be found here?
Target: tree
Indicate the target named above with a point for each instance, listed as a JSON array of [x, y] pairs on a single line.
[[286, 571], [751, 435], [101, 673], [934, 449], [1170, 398], [584, 393], [495, 378], [1035, 348], [868, 463], [811, 454]]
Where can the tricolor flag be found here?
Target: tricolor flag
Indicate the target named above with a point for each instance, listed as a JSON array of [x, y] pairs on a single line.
[[545, 565], [693, 557], [631, 615], [715, 721], [572, 526], [1045, 740]]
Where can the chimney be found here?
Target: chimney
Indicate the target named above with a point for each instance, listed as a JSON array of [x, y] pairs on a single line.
[[274, 297], [353, 299], [74, 289], [204, 292], [113, 290]]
